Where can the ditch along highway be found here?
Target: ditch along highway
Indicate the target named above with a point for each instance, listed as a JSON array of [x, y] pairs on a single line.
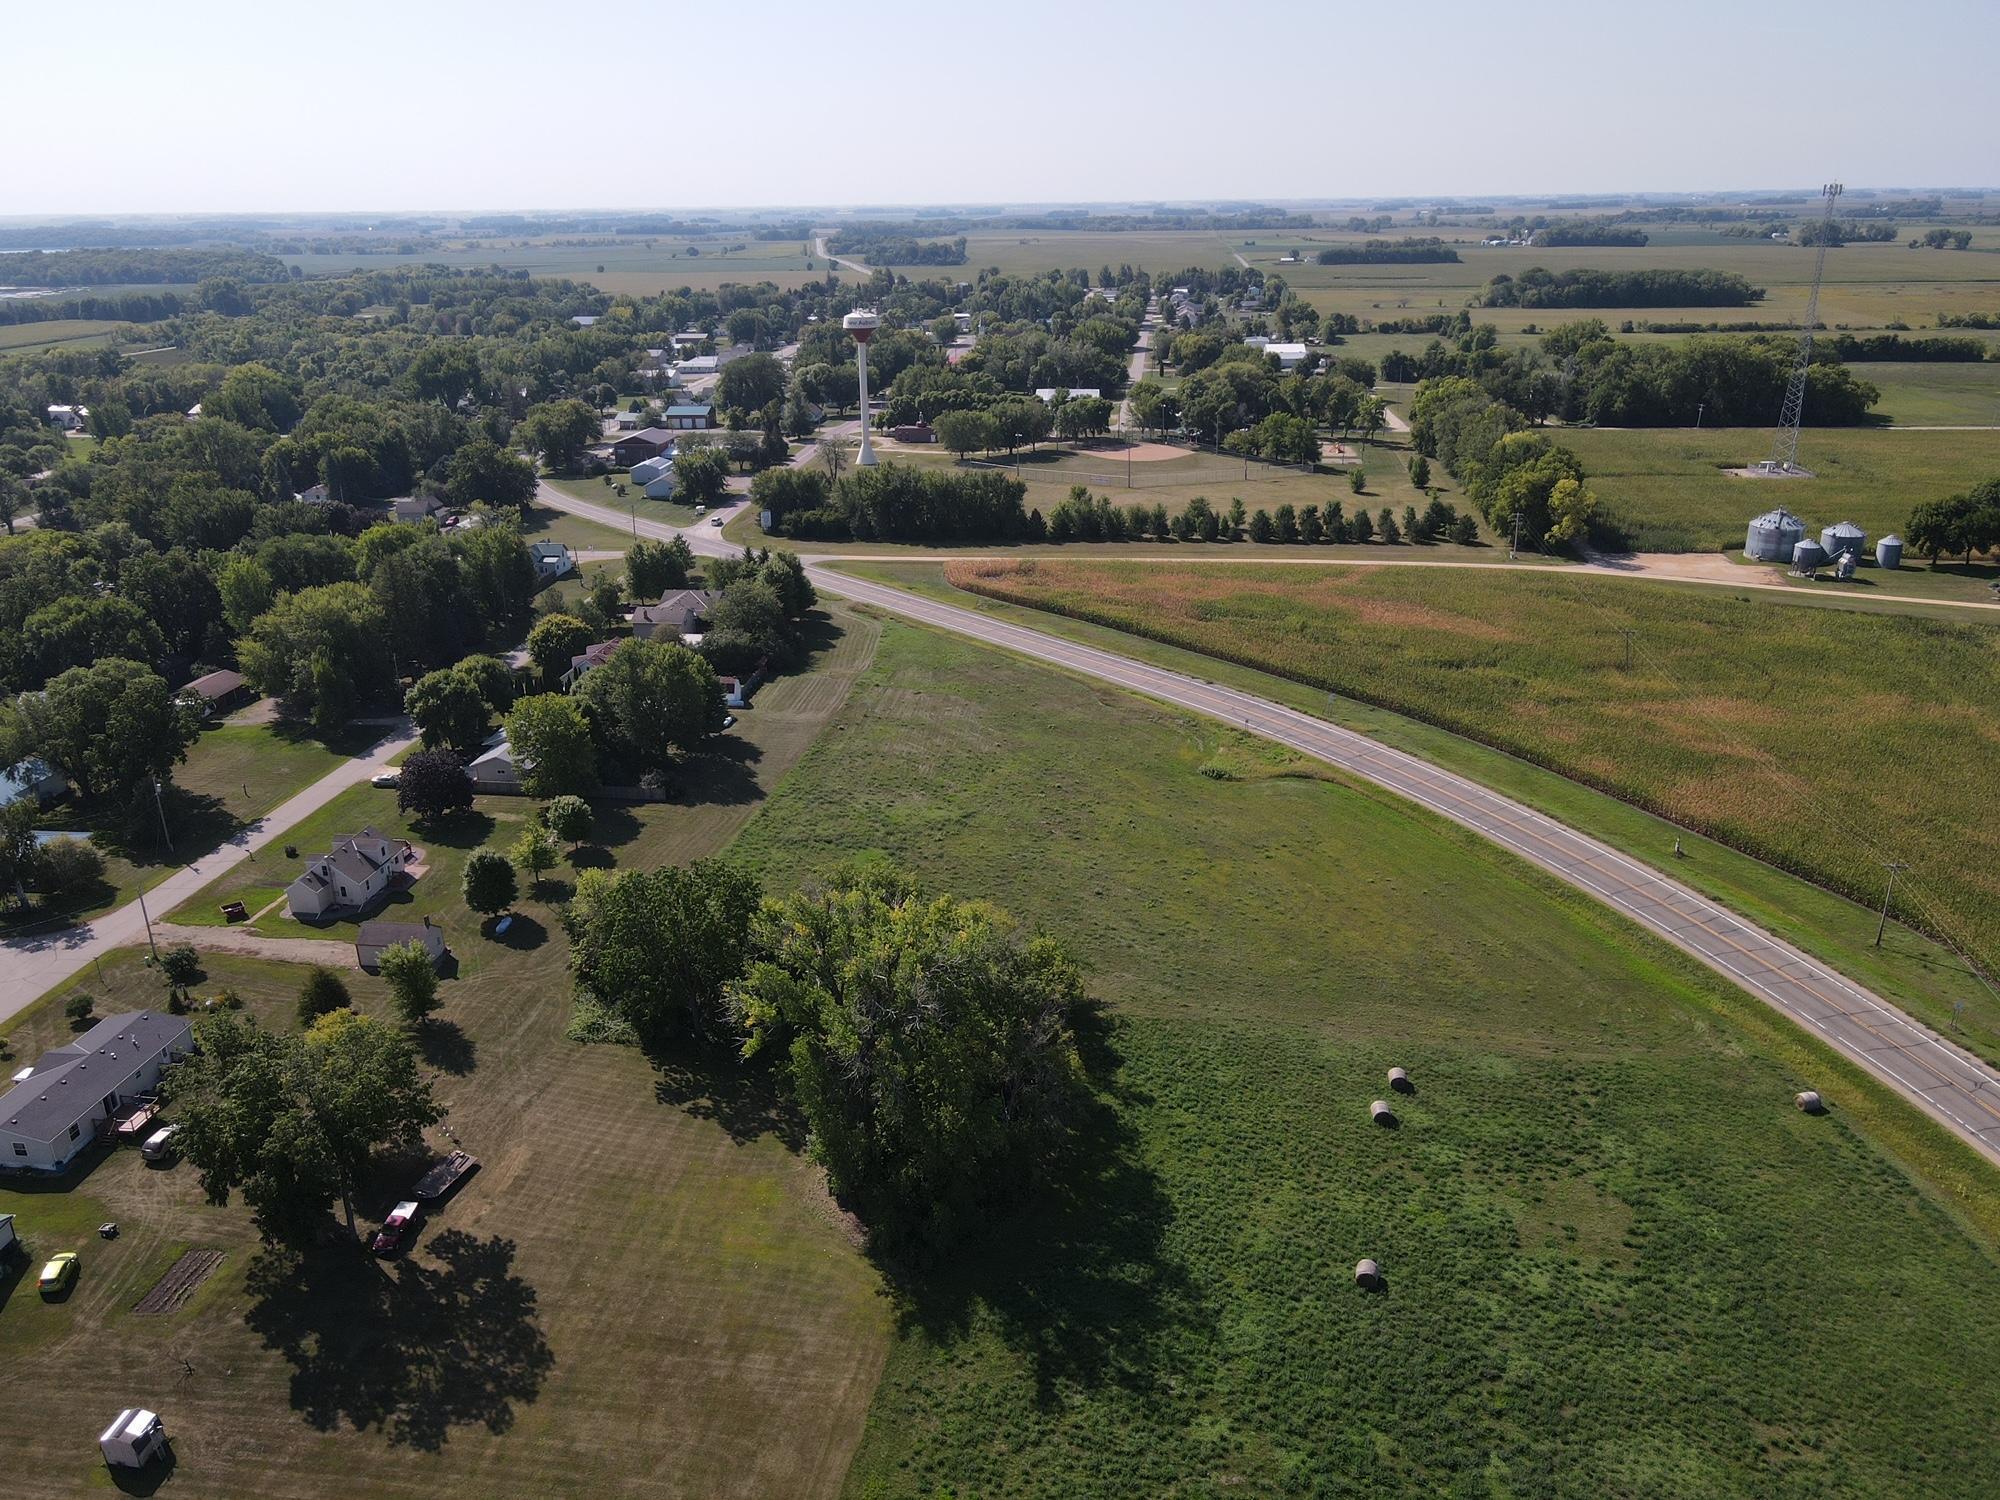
[[1948, 1083]]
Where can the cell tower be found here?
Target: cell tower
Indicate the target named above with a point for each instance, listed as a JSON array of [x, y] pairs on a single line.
[[1784, 459]]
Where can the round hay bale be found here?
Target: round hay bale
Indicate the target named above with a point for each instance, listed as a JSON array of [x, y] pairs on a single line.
[[1810, 1102], [1400, 1081], [1380, 1112], [1367, 1273]]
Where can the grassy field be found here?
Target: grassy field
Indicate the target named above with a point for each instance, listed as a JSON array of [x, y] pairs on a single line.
[[1668, 490], [1733, 718], [545, 524], [1943, 394], [1618, 1261], [234, 774], [668, 512], [643, 1292], [57, 333], [640, 266]]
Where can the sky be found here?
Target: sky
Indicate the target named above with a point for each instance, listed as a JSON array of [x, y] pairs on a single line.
[[221, 106]]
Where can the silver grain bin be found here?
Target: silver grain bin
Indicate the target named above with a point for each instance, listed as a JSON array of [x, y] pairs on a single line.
[[1772, 536], [1808, 555], [1843, 536], [1889, 552]]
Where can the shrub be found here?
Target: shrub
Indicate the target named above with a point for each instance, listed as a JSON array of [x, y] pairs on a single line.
[[80, 1007], [323, 992]]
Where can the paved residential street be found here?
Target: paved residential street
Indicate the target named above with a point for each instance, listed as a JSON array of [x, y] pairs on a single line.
[[1943, 1080], [30, 966]]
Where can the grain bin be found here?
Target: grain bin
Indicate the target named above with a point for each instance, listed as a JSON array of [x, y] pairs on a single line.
[[1808, 555], [1400, 1081], [1889, 552], [1810, 1102], [1843, 536], [1380, 1112], [1367, 1274], [1772, 536]]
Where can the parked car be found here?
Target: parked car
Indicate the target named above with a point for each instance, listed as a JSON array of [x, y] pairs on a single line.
[[729, 721], [402, 1219], [159, 1146], [386, 778], [715, 520], [59, 1275]]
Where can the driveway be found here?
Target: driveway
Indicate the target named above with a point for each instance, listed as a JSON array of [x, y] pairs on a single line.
[[30, 966], [300, 950]]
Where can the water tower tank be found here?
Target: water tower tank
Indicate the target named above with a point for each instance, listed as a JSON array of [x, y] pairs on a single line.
[[1807, 555], [1772, 536], [1843, 536], [1889, 552]]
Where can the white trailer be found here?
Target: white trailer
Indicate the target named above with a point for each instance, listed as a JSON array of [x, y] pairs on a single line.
[[134, 1440]]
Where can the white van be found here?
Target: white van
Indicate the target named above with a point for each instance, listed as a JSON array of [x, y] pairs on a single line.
[[159, 1146]]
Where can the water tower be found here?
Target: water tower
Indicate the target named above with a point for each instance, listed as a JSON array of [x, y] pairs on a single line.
[[862, 325]]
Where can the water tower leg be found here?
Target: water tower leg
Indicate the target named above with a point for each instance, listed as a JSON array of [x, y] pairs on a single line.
[[867, 454]]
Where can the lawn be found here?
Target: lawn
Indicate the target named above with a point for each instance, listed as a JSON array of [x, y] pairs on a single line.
[[597, 492], [1617, 1260], [1666, 486], [544, 523], [1714, 725], [644, 1291], [234, 774]]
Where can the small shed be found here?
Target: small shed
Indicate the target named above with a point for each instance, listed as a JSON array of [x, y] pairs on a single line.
[[1380, 1112], [373, 937], [1367, 1274], [1400, 1081], [134, 1440], [1810, 1102]]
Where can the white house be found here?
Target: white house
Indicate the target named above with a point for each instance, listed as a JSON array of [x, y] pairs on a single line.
[[317, 494], [1287, 355], [356, 870], [697, 364], [53, 1114], [69, 418], [694, 415], [415, 507], [552, 560], [33, 777], [494, 770], [374, 936], [584, 320], [646, 470], [689, 340], [1074, 392]]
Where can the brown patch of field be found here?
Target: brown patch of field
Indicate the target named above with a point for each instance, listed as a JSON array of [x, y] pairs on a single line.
[[174, 1288]]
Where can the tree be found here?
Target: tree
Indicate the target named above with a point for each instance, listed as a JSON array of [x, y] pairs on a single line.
[[433, 783], [659, 946], [322, 652], [448, 709], [655, 568], [294, 1122], [1261, 527], [1420, 472], [246, 591], [74, 631], [113, 728], [655, 697], [964, 432], [181, 967], [1021, 421], [555, 641], [751, 383], [1236, 514], [1357, 480], [1385, 526], [322, 993], [412, 980], [488, 885], [928, 1043], [493, 678], [534, 852], [1573, 510], [701, 474], [484, 471], [552, 745], [79, 1009], [66, 868], [559, 431], [19, 850], [1362, 528], [569, 819], [256, 396]]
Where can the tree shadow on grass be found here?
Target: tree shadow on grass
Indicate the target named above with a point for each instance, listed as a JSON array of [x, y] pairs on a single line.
[[1078, 1278], [712, 1083], [524, 934], [463, 828], [724, 775], [446, 1047], [412, 1349]]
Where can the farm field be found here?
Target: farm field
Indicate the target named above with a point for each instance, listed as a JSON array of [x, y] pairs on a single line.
[[57, 333], [641, 266], [644, 1291], [234, 774], [1926, 394], [1596, 1127], [1732, 718], [1666, 488]]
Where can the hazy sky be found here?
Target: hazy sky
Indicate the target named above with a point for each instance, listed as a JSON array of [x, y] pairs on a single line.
[[210, 105]]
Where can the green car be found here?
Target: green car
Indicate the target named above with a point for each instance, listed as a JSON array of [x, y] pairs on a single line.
[[59, 1275]]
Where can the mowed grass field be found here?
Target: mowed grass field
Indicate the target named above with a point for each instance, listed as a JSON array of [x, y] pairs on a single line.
[[1667, 488], [644, 1291], [1824, 740], [1617, 1259], [56, 333]]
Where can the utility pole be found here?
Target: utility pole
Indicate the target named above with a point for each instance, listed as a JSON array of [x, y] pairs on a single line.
[[149, 929], [160, 808], [1894, 868], [1514, 547], [1699, 408]]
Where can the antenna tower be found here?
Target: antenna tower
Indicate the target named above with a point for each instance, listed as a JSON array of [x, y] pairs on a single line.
[[1785, 453]]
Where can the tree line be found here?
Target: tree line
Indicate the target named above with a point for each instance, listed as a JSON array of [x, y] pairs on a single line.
[[1537, 287], [1409, 251], [137, 267]]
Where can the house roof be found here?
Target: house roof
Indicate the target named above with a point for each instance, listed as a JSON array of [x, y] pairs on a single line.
[[596, 654], [676, 607], [700, 409], [214, 685], [71, 1080], [380, 934], [23, 777], [658, 436]]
